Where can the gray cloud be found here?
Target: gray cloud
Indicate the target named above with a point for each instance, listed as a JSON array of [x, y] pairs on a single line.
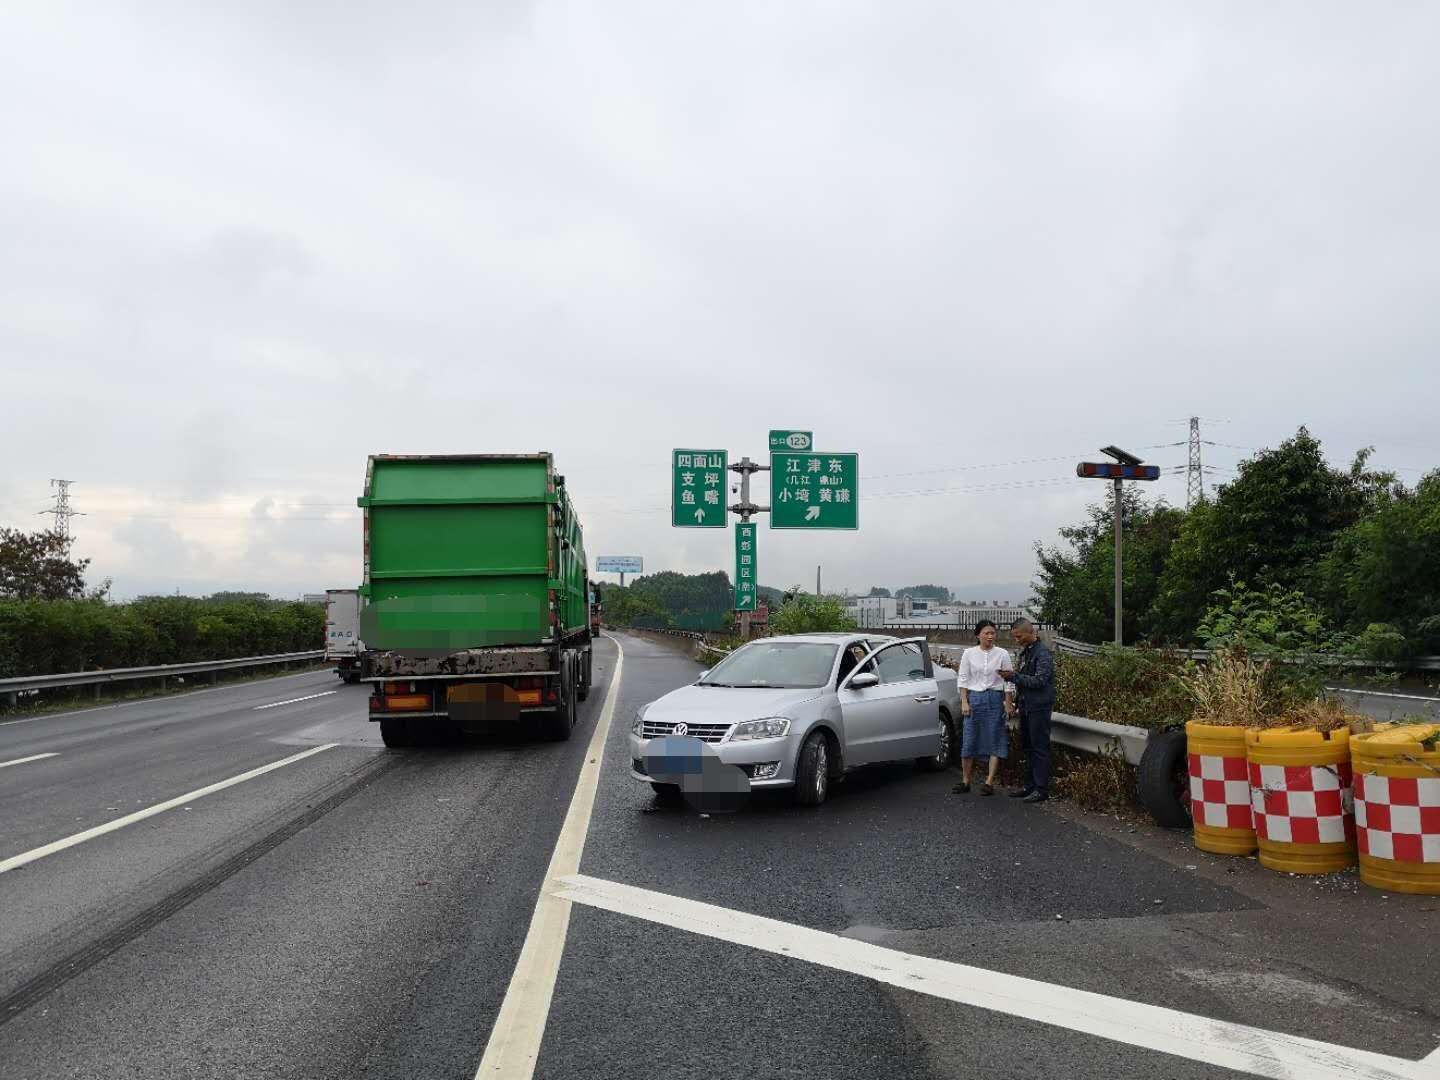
[[245, 249]]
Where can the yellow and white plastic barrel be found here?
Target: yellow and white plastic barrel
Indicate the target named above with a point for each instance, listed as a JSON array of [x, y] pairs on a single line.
[[1220, 801], [1302, 799], [1397, 808]]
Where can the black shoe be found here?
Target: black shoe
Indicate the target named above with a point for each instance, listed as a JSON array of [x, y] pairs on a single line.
[[1022, 794], [961, 788], [1037, 796], [987, 789]]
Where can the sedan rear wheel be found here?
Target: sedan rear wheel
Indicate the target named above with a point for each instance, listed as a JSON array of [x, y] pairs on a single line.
[[940, 761], [812, 771]]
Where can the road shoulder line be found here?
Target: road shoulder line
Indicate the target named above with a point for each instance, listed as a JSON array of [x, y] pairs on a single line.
[[514, 1044]]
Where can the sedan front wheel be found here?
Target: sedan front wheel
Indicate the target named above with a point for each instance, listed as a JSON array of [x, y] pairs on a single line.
[[812, 771]]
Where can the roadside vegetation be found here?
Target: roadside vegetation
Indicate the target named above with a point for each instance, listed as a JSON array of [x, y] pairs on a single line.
[[1347, 560], [51, 622]]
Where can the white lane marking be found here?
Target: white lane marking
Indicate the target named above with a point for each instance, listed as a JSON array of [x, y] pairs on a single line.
[[16, 861], [153, 700], [23, 760], [520, 1025], [1169, 1031], [1384, 693], [293, 700]]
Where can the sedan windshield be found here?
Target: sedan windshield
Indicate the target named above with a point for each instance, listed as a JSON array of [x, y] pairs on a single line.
[[785, 665]]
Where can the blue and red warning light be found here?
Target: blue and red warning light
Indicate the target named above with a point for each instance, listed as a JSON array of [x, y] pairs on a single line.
[[1104, 470]]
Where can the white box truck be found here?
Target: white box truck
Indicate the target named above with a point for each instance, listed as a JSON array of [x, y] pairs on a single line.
[[342, 633]]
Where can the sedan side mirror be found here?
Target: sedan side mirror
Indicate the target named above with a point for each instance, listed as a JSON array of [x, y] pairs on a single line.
[[863, 680]]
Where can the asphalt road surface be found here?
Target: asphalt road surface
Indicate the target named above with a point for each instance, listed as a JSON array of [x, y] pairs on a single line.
[[242, 882]]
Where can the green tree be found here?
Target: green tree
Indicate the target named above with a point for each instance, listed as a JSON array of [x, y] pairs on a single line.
[[805, 613], [1075, 588], [1274, 524], [1385, 569], [38, 566], [1275, 621], [876, 590], [625, 607]]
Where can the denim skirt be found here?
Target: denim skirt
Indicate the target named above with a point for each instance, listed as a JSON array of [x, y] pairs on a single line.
[[983, 733]]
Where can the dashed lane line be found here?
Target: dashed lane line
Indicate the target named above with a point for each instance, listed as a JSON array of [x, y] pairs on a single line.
[[293, 700], [1212, 1042], [23, 760], [14, 862], [152, 700]]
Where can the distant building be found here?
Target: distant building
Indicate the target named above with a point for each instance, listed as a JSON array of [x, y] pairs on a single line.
[[883, 612]]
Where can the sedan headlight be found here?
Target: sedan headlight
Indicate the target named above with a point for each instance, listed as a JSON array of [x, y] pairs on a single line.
[[771, 727], [638, 723]]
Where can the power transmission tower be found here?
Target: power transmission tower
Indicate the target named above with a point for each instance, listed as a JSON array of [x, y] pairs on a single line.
[[1194, 474], [62, 509]]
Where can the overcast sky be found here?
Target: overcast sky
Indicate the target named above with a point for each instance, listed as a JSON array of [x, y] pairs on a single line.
[[245, 245]]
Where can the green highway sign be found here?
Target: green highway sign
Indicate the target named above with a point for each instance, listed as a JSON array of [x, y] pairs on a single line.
[[745, 566], [814, 491], [791, 440], [697, 488]]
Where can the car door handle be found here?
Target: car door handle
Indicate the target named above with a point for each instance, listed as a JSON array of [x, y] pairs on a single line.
[[922, 698]]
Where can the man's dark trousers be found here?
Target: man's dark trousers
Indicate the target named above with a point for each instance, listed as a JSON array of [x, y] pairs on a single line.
[[1035, 741]]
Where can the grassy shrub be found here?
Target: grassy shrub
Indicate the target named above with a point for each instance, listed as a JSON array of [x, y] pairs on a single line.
[[1123, 686], [806, 614], [41, 637]]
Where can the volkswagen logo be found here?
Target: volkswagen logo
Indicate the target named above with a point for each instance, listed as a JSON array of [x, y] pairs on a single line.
[[680, 729]]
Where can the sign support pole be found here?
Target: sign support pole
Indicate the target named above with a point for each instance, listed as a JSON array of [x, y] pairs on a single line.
[[1119, 586], [1127, 467], [745, 508]]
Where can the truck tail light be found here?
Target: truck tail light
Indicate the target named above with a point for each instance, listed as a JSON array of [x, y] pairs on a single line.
[[527, 697], [399, 688], [552, 695], [403, 702]]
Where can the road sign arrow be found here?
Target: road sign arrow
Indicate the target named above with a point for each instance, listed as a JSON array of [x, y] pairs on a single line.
[[812, 513], [699, 513]]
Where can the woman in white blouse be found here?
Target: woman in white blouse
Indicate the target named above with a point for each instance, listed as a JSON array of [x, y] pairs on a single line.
[[984, 705]]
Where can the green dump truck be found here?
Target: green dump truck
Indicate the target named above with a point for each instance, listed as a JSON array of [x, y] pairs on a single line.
[[476, 608]]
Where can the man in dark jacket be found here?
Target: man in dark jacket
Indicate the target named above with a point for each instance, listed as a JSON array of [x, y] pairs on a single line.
[[1034, 679]]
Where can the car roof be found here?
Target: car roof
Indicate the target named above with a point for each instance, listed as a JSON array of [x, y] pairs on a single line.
[[826, 638]]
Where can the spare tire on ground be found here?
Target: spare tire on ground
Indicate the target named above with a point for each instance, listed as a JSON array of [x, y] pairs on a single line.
[[1162, 780]]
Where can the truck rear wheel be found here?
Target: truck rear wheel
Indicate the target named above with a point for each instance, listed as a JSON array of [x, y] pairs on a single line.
[[397, 733], [561, 722], [586, 659]]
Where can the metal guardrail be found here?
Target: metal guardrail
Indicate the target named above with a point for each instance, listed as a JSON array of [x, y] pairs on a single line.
[[1082, 733], [1095, 736], [1418, 663], [11, 688]]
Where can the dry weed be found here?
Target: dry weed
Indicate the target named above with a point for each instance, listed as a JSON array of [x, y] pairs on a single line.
[[1232, 690]]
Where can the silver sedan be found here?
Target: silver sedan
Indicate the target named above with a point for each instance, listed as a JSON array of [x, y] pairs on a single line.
[[804, 709]]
